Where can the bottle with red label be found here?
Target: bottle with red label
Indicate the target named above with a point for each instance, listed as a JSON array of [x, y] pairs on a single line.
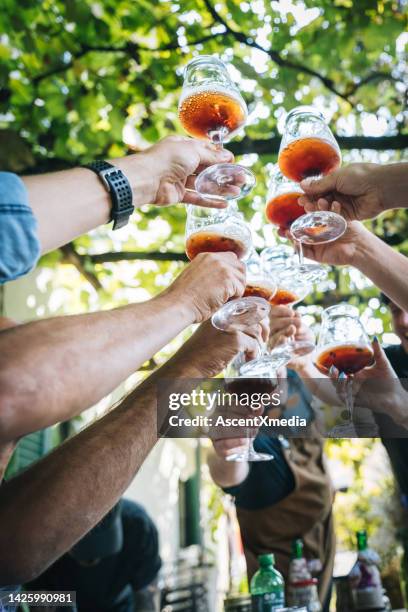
[[365, 578], [302, 588]]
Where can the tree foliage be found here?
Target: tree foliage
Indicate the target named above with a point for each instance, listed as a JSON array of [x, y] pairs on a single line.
[[79, 78]]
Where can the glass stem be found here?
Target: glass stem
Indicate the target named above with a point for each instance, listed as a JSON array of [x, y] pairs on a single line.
[[292, 337], [251, 449], [349, 398], [263, 349], [217, 138], [299, 249]]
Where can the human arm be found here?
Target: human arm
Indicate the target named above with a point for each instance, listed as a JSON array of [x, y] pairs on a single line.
[[227, 473], [53, 369], [360, 248], [69, 203], [359, 191], [45, 510], [377, 388]]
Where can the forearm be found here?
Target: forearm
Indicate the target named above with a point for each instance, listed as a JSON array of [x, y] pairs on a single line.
[[386, 268], [391, 401], [72, 202], [53, 369], [392, 183], [308, 372], [318, 384], [227, 473], [47, 509], [400, 412]]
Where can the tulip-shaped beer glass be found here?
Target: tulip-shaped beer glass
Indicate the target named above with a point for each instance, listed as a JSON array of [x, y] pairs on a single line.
[[210, 230], [309, 149], [283, 210], [211, 107], [344, 344]]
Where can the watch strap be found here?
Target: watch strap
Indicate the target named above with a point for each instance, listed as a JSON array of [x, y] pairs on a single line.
[[119, 188]]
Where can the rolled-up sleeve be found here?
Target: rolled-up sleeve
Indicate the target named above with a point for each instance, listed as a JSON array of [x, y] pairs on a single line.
[[19, 244]]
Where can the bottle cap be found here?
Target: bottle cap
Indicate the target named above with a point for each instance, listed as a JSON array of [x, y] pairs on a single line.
[[266, 560], [361, 539], [297, 548]]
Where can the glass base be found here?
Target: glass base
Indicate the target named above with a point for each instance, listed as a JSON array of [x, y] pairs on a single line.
[[318, 227], [265, 366], [241, 311], [311, 273], [249, 455], [300, 348], [225, 181]]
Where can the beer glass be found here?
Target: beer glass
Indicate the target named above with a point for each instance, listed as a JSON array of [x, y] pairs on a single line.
[[283, 210], [309, 149], [212, 108], [283, 353], [344, 344], [258, 294], [209, 230], [291, 289]]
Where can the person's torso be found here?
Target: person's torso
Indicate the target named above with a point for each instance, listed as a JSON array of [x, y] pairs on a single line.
[[305, 512]]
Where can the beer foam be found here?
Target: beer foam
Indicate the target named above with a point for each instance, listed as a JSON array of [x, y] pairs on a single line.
[[210, 88]]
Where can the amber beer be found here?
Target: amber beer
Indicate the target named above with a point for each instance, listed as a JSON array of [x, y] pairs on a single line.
[[308, 157], [283, 297], [347, 358], [213, 242], [264, 292], [284, 209], [206, 112]]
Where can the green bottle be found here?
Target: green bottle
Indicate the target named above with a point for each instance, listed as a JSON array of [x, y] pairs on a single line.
[[267, 586]]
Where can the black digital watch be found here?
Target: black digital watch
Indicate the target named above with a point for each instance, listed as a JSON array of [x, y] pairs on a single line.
[[120, 191]]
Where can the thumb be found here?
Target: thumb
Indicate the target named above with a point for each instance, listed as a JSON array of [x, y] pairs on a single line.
[[380, 357], [320, 186]]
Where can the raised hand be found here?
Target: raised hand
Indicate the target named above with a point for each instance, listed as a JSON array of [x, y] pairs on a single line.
[[209, 281], [355, 191], [174, 163]]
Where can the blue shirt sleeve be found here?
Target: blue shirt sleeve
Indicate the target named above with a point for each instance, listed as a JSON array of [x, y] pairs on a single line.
[[19, 244]]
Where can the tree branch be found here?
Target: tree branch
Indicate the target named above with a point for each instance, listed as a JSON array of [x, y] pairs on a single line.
[[372, 76], [274, 55], [267, 146], [136, 255], [287, 63], [129, 49], [328, 299], [115, 256], [79, 261], [271, 145]]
